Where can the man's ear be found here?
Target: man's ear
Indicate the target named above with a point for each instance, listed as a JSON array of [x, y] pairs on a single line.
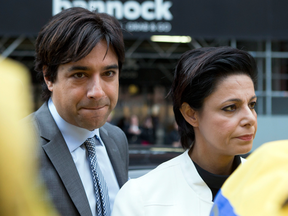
[[189, 114], [47, 79]]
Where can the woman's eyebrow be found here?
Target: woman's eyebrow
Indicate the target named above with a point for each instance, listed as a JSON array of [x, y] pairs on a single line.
[[238, 100], [232, 100]]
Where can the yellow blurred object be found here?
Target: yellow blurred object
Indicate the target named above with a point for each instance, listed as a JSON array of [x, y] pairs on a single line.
[[259, 186], [21, 193], [133, 89]]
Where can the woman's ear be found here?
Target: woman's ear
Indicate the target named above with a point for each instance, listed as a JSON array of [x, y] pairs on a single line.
[[47, 79], [189, 114]]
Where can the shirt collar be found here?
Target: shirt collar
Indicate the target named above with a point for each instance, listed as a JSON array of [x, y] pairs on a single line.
[[74, 136]]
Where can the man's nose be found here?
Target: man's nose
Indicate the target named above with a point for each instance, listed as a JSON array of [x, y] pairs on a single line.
[[95, 89]]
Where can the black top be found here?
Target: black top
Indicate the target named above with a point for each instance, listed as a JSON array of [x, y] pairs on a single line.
[[215, 182]]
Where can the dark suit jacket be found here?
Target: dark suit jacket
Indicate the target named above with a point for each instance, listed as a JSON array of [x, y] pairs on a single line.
[[57, 167]]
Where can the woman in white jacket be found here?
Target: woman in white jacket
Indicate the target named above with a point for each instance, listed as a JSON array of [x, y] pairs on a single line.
[[213, 101]]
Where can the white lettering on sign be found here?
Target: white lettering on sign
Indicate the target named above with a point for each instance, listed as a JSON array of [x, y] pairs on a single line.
[[130, 10], [148, 26]]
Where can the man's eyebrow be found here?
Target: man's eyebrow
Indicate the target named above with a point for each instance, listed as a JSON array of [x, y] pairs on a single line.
[[76, 68], [113, 66], [238, 100], [85, 68]]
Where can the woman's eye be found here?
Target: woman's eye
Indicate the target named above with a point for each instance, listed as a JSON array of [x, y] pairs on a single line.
[[79, 75], [230, 108], [252, 105]]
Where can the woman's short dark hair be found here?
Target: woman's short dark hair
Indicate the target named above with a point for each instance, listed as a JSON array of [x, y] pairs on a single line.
[[70, 36], [196, 76]]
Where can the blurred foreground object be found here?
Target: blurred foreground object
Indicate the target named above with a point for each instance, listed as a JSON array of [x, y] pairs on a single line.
[[21, 193], [257, 187]]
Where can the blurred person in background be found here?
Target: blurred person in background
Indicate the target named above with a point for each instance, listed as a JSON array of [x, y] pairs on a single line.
[[147, 132], [213, 101], [84, 159], [259, 186], [172, 136], [133, 130], [21, 191]]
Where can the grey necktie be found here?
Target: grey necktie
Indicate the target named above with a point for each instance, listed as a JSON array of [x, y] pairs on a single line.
[[101, 190]]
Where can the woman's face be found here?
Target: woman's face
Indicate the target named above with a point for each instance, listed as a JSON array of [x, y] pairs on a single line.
[[227, 123]]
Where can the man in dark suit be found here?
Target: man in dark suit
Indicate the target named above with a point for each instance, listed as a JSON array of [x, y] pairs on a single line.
[[80, 53]]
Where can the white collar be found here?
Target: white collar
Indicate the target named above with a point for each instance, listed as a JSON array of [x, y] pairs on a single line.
[[194, 179]]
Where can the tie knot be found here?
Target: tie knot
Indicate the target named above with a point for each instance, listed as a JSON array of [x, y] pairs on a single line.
[[90, 141], [91, 146]]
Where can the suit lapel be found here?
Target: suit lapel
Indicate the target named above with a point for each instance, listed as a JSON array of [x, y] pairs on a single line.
[[60, 156], [113, 153]]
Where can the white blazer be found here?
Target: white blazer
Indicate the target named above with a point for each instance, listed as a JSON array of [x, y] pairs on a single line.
[[174, 188]]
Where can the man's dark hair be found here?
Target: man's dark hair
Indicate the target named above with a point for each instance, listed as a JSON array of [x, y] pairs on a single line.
[[70, 36], [196, 77]]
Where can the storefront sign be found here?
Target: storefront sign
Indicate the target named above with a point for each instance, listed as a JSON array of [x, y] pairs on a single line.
[[222, 19], [135, 16]]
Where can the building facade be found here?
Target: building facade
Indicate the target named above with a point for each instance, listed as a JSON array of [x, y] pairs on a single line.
[[258, 27]]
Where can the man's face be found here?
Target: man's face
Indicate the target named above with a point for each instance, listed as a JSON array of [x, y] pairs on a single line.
[[85, 92]]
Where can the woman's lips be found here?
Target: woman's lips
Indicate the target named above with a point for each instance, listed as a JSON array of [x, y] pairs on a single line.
[[246, 137]]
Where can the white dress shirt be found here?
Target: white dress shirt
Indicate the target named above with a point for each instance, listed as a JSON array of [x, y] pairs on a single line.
[[74, 137]]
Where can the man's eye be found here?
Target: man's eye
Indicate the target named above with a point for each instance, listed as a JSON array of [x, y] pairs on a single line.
[[109, 73], [230, 108], [79, 75]]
